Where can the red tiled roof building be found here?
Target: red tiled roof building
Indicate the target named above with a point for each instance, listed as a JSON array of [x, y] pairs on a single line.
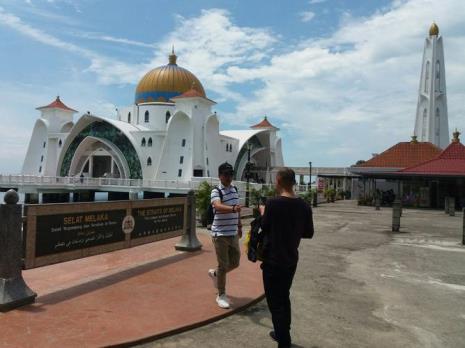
[[402, 155], [450, 162]]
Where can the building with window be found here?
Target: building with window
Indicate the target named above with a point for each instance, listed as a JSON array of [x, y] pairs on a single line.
[[169, 133]]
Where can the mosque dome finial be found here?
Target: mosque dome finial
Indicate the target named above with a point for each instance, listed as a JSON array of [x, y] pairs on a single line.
[[434, 30], [456, 135], [172, 57]]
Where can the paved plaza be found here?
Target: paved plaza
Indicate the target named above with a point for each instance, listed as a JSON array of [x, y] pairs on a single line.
[[360, 285]]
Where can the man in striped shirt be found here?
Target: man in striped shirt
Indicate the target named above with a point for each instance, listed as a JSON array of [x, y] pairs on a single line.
[[226, 231]]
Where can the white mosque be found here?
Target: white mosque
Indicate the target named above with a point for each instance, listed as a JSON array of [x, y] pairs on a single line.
[[169, 133]]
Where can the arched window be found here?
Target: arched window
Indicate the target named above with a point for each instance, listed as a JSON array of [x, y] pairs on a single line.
[[230, 148], [129, 117], [167, 116], [227, 147], [40, 169], [149, 161], [45, 144], [60, 143], [143, 142], [41, 158], [147, 117], [438, 124], [423, 131], [437, 82], [426, 76], [149, 143]]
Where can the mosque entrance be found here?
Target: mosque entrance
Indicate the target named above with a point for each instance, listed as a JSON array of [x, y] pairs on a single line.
[[97, 158], [102, 166]]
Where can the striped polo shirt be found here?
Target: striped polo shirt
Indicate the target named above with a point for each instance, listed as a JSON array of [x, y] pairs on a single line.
[[225, 224]]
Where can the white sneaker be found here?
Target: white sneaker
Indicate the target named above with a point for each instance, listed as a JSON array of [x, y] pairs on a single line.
[[222, 301], [212, 275]]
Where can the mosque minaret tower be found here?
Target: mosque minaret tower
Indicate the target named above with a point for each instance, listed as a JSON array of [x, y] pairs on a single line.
[[432, 123]]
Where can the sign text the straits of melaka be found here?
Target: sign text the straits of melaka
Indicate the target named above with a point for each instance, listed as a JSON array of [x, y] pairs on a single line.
[[67, 232], [156, 220]]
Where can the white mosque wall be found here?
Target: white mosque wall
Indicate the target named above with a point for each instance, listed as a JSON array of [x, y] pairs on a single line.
[[213, 148], [36, 154], [178, 143], [153, 115]]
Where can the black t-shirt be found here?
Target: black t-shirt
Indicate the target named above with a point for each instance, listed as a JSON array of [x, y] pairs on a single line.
[[285, 222]]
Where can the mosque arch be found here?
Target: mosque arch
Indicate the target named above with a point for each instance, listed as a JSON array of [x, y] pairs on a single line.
[[437, 81], [87, 156], [66, 127], [35, 149], [105, 131], [149, 142], [146, 116], [214, 154], [427, 68], [143, 142], [179, 131], [259, 153]]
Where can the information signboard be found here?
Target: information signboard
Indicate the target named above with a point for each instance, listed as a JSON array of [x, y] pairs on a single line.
[[155, 220], [67, 232]]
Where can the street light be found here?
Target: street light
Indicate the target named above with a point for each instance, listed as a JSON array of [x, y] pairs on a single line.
[[310, 175]]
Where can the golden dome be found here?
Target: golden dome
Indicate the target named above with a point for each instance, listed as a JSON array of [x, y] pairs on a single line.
[[433, 30], [165, 82]]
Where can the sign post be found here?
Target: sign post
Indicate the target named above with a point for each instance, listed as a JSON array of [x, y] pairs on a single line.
[[396, 216], [13, 290], [189, 241]]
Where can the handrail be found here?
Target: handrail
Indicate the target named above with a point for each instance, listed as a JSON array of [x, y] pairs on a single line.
[[75, 181]]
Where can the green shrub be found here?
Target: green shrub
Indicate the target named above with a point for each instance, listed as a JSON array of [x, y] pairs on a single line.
[[202, 201]]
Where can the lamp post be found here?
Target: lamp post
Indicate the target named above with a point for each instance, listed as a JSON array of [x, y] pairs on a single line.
[[247, 176], [309, 176]]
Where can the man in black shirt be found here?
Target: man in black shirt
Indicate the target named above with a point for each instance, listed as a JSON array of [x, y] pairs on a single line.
[[286, 219]]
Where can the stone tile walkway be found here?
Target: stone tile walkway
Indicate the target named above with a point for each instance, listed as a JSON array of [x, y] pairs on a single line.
[[125, 296]]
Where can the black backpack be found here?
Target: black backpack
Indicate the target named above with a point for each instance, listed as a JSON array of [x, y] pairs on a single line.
[[211, 210], [255, 242]]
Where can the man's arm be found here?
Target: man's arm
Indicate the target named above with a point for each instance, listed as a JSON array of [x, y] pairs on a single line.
[[223, 208], [309, 229]]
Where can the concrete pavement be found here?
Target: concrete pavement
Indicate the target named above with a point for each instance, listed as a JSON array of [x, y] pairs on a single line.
[[360, 285]]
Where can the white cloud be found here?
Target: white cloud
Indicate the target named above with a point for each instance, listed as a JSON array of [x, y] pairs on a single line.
[[313, 2], [337, 99], [118, 40], [360, 84], [307, 16]]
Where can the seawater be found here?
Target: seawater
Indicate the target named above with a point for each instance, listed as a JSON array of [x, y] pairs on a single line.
[[99, 197]]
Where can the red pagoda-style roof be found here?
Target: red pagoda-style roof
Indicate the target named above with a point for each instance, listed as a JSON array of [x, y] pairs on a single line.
[[192, 93], [403, 154], [57, 104], [450, 162], [264, 124]]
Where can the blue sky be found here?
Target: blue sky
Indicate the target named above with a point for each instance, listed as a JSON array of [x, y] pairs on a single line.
[[340, 78]]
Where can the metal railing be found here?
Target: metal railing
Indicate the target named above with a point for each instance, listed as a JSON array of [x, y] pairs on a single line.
[[83, 182]]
